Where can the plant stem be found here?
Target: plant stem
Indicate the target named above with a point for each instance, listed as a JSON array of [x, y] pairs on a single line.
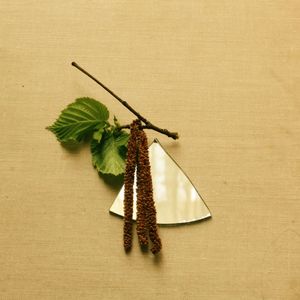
[[148, 124]]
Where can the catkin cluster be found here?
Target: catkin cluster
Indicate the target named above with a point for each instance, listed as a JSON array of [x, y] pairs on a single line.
[[138, 159]]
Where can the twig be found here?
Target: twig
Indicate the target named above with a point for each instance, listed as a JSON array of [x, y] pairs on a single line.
[[148, 124]]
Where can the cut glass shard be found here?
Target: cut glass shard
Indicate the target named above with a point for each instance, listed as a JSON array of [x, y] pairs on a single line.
[[176, 199]]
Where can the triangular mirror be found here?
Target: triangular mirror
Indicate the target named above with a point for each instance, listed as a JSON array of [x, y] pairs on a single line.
[[176, 199]]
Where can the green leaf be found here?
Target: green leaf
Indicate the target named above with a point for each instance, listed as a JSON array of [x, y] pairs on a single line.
[[98, 134], [79, 119], [109, 155]]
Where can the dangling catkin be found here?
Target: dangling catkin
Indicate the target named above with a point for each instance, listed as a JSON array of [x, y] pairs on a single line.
[[138, 158], [131, 161], [141, 221], [146, 181]]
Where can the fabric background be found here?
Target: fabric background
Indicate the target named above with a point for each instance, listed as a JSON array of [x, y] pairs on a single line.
[[225, 75]]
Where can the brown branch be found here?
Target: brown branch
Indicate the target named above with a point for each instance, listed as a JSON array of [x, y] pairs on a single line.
[[148, 124]]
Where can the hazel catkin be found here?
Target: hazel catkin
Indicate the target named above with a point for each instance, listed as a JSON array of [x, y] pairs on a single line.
[[141, 220], [131, 161], [138, 159], [146, 181]]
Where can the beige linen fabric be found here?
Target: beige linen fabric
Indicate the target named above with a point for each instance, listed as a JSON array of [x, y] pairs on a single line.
[[225, 75]]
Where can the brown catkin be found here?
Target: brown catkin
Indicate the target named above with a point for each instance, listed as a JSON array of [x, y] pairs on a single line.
[[138, 158], [146, 181], [141, 220], [131, 162]]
